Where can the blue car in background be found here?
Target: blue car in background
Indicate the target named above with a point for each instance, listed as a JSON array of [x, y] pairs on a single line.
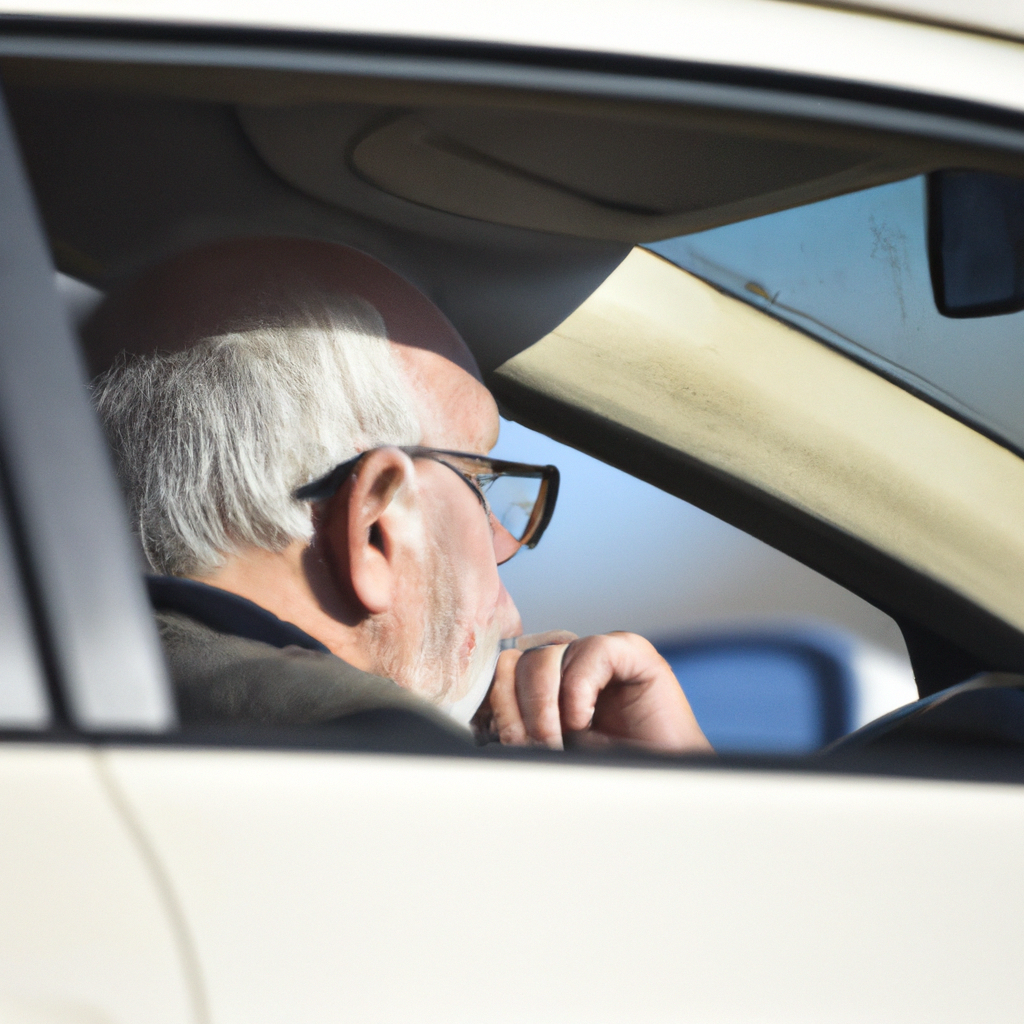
[[786, 691]]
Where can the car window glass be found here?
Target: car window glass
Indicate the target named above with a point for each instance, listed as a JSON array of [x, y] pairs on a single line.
[[853, 271]]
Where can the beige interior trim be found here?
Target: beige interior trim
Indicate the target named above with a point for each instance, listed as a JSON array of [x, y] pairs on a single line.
[[661, 352], [427, 159]]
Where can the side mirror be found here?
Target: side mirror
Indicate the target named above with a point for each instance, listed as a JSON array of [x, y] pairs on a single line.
[[976, 242], [764, 693]]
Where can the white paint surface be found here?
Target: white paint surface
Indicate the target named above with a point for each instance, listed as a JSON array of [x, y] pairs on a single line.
[[85, 937], [769, 34], [1000, 16], [331, 887]]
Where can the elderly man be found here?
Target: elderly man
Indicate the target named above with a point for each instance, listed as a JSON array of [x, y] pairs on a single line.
[[302, 440]]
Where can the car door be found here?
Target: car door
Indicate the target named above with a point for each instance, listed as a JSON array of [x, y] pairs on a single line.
[[369, 886]]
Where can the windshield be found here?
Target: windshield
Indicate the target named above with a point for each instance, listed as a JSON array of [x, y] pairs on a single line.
[[853, 271]]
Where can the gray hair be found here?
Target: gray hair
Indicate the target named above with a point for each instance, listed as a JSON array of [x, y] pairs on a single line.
[[210, 442]]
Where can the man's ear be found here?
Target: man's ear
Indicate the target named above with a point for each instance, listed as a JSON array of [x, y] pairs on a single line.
[[360, 527]]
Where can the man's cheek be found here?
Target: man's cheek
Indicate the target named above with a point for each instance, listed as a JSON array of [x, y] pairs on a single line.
[[493, 606], [476, 571]]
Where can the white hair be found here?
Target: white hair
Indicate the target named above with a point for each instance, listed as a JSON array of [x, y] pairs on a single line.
[[211, 442]]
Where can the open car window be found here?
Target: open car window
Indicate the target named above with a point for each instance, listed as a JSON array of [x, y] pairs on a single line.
[[774, 657], [713, 365]]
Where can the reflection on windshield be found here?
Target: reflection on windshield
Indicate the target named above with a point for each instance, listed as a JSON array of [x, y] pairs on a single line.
[[853, 271]]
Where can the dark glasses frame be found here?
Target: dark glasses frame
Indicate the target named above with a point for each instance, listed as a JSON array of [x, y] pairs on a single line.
[[543, 509]]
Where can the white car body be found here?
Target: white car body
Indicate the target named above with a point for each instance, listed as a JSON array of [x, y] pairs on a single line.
[[165, 883]]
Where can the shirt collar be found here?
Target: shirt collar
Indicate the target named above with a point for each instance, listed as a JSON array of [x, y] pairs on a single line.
[[226, 612]]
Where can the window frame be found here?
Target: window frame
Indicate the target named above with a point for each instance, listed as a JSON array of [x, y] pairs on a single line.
[[97, 639]]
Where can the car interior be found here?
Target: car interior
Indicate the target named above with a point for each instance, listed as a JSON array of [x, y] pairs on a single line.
[[527, 200]]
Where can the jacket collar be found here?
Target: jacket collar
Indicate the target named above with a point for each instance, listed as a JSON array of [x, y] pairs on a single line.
[[226, 612]]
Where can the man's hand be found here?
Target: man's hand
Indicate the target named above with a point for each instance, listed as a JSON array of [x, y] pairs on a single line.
[[598, 689]]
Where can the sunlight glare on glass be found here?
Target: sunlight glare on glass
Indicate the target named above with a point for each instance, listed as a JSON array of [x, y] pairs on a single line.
[[511, 500]]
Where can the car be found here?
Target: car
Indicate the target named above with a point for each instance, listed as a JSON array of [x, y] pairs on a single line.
[[761, 254]]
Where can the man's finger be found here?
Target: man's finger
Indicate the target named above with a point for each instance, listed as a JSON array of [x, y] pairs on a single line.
[[618, 685], [588, 667], [538, 682], [506, 721]]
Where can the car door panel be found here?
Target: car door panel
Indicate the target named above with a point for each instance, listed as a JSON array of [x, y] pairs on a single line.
[[326, 886], [86, 934]]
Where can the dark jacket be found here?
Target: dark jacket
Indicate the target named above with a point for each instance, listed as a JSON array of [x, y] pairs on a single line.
[[232, 661]]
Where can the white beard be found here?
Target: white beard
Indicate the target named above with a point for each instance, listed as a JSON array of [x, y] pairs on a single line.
[[479, 674], [433, 670]]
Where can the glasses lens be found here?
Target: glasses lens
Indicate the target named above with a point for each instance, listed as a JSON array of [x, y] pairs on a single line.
[[512, 499]]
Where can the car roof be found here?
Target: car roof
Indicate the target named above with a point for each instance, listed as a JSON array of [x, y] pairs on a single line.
[[999, 17], [879, 45]]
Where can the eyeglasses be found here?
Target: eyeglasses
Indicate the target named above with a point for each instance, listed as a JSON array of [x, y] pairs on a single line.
[[519, 499]]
